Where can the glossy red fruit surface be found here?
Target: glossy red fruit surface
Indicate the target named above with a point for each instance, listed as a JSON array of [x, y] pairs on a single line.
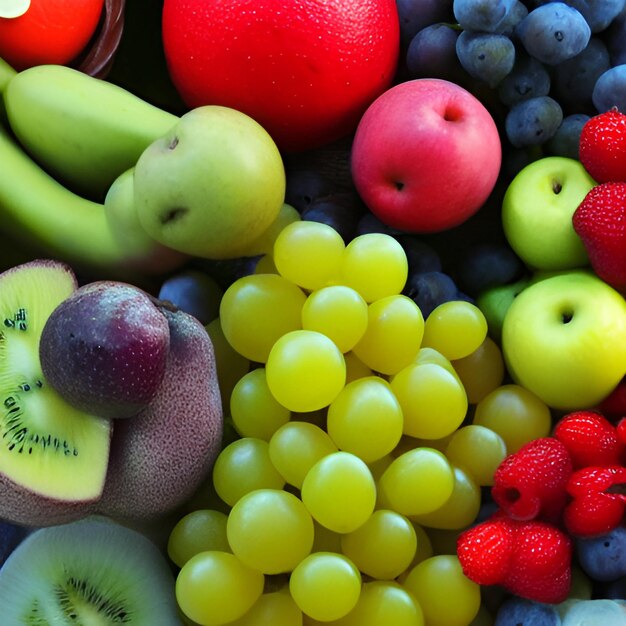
[[306, 70], [50, 31]]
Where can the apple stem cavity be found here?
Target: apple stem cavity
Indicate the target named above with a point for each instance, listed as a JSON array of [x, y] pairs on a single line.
[[556, 187], [173, 143], [173, 215]]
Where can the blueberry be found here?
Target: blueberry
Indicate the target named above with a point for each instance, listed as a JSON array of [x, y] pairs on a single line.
[[529, 78], [566, 141], [341, 211], [610, 89], [414, 15], [421, 256], [603, 558], [532, 122], [488, 57], [520, 612], [489, 16], [304, 186]]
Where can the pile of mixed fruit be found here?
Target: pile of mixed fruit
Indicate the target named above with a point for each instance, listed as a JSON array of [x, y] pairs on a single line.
[[313, 313]]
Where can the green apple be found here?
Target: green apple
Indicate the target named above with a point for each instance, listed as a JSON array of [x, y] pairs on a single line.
[[564, 339], [495, 302], [212, 185], [537, 211]]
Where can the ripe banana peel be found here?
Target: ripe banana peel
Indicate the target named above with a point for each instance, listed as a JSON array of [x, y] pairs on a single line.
[[83, 130], [39, 212]]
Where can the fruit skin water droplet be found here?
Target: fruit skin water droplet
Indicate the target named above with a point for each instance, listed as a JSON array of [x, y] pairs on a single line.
[[13, 8]]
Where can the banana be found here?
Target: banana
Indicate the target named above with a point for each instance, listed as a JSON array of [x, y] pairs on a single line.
[[6, 74], [40, 213], [85, 131]]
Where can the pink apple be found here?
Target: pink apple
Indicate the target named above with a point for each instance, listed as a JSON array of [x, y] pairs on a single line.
[[425, 156]]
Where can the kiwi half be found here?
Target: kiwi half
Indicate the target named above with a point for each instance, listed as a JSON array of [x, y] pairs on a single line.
[[90, 572], [53, 458]]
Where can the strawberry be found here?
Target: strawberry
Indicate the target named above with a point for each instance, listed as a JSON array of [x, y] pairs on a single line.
[[485, 550], [597, 505], [530, 483], [589, 438], [531, 559], [602, 146], [600, 222]]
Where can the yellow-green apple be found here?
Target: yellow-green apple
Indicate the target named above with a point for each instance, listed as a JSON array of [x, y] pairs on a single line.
[[537, 211], [426, 155], [210, 186], [495, 302], [564, 339]]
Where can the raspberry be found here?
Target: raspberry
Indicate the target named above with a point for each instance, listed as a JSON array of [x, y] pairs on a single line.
[[531, 482], [531, 559], [597, 505], [590, 439]]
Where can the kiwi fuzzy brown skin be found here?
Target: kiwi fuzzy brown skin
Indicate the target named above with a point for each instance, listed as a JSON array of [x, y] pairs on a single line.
[[160, 456], [33, 289], [104, 349]]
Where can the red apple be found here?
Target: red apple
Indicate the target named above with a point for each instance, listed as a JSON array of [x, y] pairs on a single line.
[[425, 156]]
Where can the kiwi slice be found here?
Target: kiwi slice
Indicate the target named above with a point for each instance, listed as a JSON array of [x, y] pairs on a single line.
[[90, 572], [53, 458]]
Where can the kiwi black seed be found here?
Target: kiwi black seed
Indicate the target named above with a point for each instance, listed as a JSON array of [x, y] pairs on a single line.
[[53, 457], [90, 571]]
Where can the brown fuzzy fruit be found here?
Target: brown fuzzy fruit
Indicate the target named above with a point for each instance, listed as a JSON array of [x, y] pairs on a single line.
[[160, 456]]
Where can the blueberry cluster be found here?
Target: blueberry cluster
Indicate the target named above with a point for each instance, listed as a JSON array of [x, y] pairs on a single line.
[[548, 66]]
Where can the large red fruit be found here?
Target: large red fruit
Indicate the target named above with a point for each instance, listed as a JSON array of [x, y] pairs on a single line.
[[50, 31], [305, 70]]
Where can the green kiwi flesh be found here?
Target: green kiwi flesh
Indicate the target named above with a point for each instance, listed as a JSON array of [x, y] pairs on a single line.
[[51, 455], [90, 572]]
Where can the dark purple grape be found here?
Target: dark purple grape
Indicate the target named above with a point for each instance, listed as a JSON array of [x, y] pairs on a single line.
[[341, 211], [194, 292], [430, 289], [304, 186], [488, 57], [529, 78], [610, 90], [575, 79], [417, 14], [532, 122], [432, 54], [369, 223], [553, 33], [566, 141], [486, 265]]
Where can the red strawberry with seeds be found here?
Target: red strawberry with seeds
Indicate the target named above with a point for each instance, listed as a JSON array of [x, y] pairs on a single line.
[[602, 146], [589, 438], [598, 502], [485, 550], [531, 559], [600, 222], [530, 483]]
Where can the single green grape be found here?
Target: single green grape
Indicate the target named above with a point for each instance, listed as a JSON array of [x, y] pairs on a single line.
[[455, 328], [325, 585], [477, 449], [274, 608], [393, 336], [215, 587], [265, 265], [384, 603], [258, 309], [516, 414], [243, 466], [375, 265], [446, 595], [416, 482], [295, 447], [433, 401], [338, 312], [339, 491], [460, 509], [197, 531], [309, 254], [424, 550], [383, 547], [482, 371], [254, 410], [366, 419], [270, 530], [305, 370]]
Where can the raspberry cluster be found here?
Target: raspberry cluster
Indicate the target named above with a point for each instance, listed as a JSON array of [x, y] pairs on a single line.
[[552, 490]]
